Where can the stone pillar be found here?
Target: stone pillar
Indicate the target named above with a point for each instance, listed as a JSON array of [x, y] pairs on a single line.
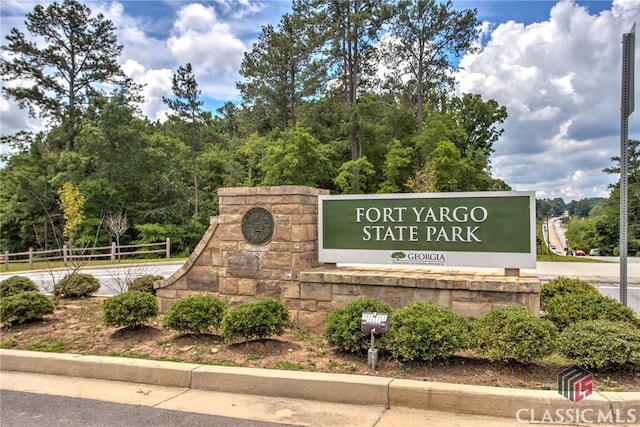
[[257, 246]]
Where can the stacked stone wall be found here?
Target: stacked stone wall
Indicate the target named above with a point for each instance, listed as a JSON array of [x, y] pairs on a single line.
[[228, 266]]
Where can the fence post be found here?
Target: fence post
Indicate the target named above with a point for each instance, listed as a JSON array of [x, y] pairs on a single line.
[[6, 260], [65, 254], [113, 252], [168, 254], [30, 258]]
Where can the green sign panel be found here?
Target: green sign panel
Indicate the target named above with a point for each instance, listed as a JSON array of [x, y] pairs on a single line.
[[437, 228]]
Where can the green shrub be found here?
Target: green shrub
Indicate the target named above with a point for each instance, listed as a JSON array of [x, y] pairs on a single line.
[[512, 334], [15, 285], [561, 286], [144, 283], [568, 309], [343, 327], [424, 331], [601, 344], [76, 285], [130, 309], [255, 320], [196, 314], [24, 307]]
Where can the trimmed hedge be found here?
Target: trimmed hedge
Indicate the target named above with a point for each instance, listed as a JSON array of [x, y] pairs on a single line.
[[343, 328], [565, 310], [255, 320], [601, 344], [561, 286], [424, 331], [196, 314], [24, 307], [17, 284], [144, 283], [76, 285], [130, 309], [512, 334]]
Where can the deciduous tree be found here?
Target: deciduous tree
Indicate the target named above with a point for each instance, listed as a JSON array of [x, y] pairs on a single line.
[[72, 206]]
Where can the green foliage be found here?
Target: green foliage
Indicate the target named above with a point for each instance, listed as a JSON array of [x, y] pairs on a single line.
[[9, 342], [15, 285], [424, 331], [566, 310], [582, 233], [76, 285], [512, 334], [447, 168], [255, 320], [396, 164], [353, 176], [353, 139], [296, 158], [24, 307], [343, 327], [130, 309], [144, 283], [196, 314], [45, 60], [582, 208], [280, 72], [150, 233], [561, 286], [50, 345], [601, 344]]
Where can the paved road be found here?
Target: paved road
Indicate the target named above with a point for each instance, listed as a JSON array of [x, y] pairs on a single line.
[[20, 409], [113, 279], [48, 400], [606, 276]]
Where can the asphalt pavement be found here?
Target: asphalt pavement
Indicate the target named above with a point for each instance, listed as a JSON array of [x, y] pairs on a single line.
[[21, 409], [35, 400]]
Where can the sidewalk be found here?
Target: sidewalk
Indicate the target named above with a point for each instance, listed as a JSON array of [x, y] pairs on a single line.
[[301, 398], [243, 406]]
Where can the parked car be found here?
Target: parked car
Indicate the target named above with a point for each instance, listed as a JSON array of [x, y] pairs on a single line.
[[594, 252], [569, 252], [580, 252]]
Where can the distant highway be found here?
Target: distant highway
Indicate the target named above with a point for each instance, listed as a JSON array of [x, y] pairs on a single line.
[[554, 237]]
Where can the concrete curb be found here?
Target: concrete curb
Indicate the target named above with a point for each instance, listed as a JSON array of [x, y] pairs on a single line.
[[337, 388]]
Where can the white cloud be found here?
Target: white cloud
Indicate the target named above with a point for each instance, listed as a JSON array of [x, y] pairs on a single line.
[[13, 119], [131, 33], [210, 46], [156, 84], [560, 82]]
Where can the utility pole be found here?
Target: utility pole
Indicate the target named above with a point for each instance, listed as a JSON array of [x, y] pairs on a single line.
[[627, 106]]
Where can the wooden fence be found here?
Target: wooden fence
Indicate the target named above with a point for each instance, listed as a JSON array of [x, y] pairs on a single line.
[[67, 254]]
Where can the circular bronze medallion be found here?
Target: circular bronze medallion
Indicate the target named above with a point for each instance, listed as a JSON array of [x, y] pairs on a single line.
[[257, 226]]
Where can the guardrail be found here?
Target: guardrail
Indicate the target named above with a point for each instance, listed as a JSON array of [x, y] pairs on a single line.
[[67, 254]]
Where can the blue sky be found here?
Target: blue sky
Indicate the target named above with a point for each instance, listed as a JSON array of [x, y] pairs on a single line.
[[555, 65]]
